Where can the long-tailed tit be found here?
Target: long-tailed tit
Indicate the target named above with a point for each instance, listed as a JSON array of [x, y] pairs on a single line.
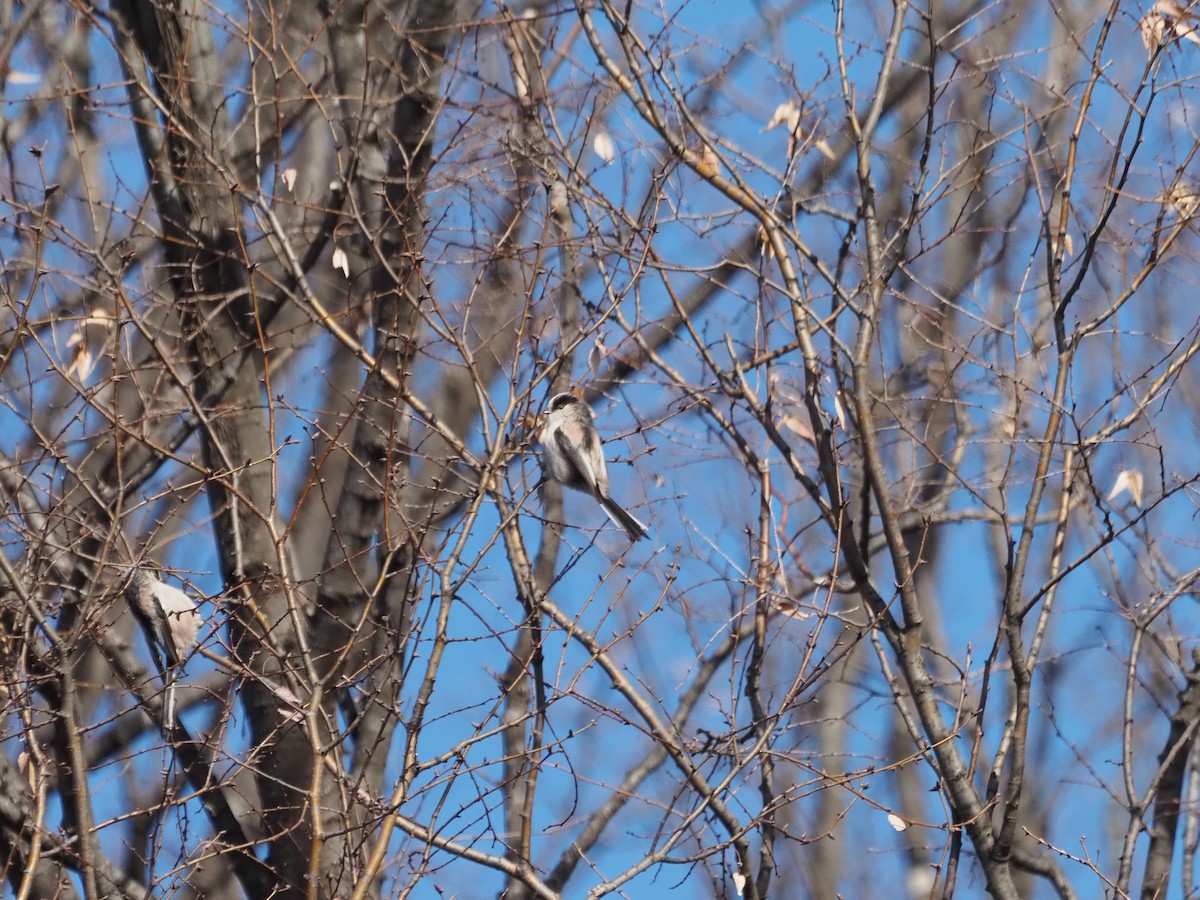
[[572, 456], [170, 621]]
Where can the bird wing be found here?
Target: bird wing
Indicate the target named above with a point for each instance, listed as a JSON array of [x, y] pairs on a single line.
[[573, 442], [595, 452], [181, 617]]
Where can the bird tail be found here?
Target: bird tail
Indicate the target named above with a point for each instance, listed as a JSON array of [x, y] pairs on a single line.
[[631, 526]]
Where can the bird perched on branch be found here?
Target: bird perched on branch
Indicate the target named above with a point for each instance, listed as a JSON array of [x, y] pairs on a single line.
[[572, 456], [170, 621]]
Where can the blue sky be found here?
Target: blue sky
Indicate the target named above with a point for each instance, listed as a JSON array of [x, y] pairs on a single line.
[[692, 578]]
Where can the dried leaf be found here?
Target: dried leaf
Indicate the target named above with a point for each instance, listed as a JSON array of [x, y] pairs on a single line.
[[603, 147], [25, 767], [785, 114], [288, 177], [920, 881], [1183, 22], [826, 150], [1183, 201], [896, 822], [1068, 245], [341, 261], [790, 114], [1167, 21], [705, 161], [1127, 480], [790, 608], [82, 361], [22, 78], [596, 356], [291, 709], [766, 250], [798, 425], [739, 882], [1154, 32]]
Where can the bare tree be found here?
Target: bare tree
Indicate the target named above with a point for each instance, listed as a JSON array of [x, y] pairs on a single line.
[[886, 312]]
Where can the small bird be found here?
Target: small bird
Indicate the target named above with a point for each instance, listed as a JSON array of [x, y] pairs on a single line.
[[572, 456], [170, 621]]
